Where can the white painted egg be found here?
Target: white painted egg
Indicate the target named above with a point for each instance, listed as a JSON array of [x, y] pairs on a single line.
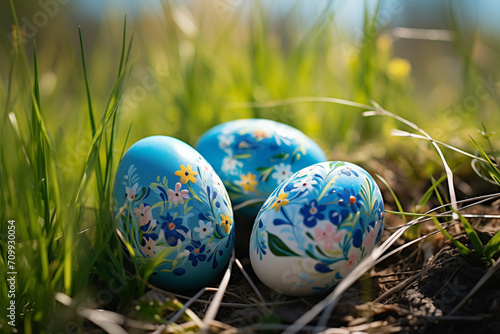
[[316, 227]]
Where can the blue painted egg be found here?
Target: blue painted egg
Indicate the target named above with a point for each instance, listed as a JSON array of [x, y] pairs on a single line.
[[170, 204], [253, 156], [315, 227]]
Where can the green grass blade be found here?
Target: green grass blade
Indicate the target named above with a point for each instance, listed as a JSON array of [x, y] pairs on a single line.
[[487, 137], [122, 53], [98, 170], [460, 246], [472, 234], [38, 126], [114, 123], [490, 166], [492, 247], [36, 133], [87, 87], [125, 142], [428, 194], [109, 154], [396, 200], [436, 191], [469, 230], [414, 231], [9, 91], [14, 14]]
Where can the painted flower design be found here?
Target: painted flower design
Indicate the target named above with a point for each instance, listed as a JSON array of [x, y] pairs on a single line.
[[247, 182], [348, 171], [173, 229], [312, 212], [225, 140], [260, 134], [378, 210], [280, 135], [187, 174], [349, 198], [196, 250], [258, 233], [282, 172], [300, 272], [205, 229], [306, 171], [369, 237], [183, 254], [305, 185], [150, 226], [226, 222], [350, 263], [143, 212], [160, 222], [230, 165], [204, 164], [149, 247], [132, 192], [341, 223], [337, 217], [357, 238], [177, 196], [330, 236], [280, 201], [246, 143]]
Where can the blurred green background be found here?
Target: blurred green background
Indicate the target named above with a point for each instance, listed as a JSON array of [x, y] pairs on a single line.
[[194, 64], [193, 61]]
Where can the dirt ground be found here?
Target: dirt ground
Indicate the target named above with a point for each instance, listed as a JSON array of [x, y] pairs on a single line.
[[413, 291]]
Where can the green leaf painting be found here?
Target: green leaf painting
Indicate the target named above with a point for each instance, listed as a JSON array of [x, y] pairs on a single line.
[[278, 247]]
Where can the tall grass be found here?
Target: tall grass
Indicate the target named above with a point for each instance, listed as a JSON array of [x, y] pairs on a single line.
[[65, 234], [60, 145]]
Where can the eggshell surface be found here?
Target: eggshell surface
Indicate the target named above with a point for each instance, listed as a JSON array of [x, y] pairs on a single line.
[[170, 203], [253, 156], [315, 227]]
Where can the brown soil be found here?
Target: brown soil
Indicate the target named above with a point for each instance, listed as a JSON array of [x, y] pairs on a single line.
[[428, 280]]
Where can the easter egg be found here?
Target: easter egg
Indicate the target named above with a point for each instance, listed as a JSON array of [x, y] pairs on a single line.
[[172, 208], [315, 227], [253, 156]]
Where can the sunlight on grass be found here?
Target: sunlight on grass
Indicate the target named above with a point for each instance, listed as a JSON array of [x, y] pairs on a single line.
[[72, 105]]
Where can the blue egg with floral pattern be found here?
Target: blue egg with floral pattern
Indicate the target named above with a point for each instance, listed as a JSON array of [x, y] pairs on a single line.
[[170, 206], [316, 227], [253, 156]]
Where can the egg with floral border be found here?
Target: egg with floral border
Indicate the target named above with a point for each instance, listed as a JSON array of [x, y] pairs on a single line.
[[170, 206], [316, 227], [253, 156]]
